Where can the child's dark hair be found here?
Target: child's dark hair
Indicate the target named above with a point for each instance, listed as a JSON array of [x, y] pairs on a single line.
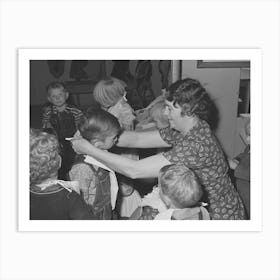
[[98, 124], [194, 100], [55, 85], [180, 184]]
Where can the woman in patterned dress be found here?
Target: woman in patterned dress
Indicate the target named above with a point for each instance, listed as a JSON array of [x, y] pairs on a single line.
[[189, 109]]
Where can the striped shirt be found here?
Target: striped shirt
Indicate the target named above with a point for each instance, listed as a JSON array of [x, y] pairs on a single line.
[[65, 122]]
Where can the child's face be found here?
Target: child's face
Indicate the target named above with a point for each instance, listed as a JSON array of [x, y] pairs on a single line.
[[109, 142], [58, 97]]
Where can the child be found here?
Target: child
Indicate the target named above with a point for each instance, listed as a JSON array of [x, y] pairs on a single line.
[[63, 118], [110, 94], [102, 130], [158, 116], [153, 114], [176, 198], [51, 199]]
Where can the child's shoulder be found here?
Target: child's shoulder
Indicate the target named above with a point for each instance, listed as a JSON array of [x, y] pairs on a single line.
[[193, 213], [73, 108], [81, 169]]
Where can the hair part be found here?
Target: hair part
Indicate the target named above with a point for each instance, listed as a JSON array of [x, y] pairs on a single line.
[[44, 156], [192, 97], [109, 91], [98, 124], [180, 184]]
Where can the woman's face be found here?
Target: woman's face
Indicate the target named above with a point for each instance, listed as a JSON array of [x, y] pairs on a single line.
[[174, 116]]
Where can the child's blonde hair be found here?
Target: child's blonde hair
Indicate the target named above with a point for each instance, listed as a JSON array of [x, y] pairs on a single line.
[[44, 156], [157, 115], [180, 184], [109, 91]]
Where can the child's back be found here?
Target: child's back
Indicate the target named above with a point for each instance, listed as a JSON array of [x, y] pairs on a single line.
[[57, 203], [101, 129], [94, 183], [176, 198], [51, 199]]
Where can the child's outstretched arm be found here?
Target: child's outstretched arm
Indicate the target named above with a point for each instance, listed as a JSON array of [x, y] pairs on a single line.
[[144, 168]]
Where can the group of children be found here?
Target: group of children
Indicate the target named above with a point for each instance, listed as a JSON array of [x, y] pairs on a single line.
[[64, 185]]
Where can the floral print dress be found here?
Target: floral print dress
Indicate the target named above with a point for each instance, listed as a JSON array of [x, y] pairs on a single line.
[[200, 151]]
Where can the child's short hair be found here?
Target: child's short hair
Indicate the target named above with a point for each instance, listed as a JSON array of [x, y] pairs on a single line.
[[55, 85], [180, 184], [109, 91], [156, 112], [44, 156], [98, 124]]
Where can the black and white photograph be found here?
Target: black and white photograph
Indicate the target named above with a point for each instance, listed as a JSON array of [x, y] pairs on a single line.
[[140, 140]]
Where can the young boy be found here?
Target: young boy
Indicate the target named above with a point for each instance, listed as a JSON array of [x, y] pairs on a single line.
[[51, 199], [64, 119], [176, 198], [102, 130]]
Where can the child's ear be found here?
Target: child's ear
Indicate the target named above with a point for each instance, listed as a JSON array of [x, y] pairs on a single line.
[[66, 95]]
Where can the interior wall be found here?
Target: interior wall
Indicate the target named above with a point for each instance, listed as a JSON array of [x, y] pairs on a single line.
[[223, 85]]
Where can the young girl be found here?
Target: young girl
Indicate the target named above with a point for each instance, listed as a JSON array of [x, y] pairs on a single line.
[[101, 129], [51, 199], [110, 94]]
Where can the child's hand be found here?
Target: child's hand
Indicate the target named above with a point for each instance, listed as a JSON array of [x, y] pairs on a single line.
[[81, 146]]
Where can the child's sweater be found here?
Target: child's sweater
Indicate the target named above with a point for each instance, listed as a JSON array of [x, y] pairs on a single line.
[[95, 187], [64, 123]]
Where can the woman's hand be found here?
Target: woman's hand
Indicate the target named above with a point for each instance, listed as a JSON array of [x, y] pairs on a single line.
[[81, 146]]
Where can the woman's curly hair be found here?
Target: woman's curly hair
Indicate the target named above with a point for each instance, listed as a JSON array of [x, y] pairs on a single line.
[[192, 97], [44, 156]]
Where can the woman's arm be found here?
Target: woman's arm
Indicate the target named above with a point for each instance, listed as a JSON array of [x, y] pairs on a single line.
[[144, 168], [143, 139]]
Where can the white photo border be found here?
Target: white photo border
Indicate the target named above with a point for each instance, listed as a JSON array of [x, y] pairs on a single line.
[[24, 58]]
